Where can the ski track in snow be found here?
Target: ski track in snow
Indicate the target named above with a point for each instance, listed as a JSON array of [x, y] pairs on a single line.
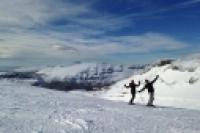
[[26, 109]]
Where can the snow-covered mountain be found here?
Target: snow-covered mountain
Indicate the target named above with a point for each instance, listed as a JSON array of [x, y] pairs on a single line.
[[88, 76], [82, 71], [28, 109], [25, 108], [178, 85]]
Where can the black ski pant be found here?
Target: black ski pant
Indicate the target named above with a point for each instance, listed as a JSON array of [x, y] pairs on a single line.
[[132, 98]]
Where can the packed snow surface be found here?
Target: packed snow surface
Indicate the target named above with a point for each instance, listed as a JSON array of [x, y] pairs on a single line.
[[178, 85], [26, 109]]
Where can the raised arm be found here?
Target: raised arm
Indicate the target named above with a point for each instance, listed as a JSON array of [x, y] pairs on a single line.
[[142, 89], [157, 76], [126, 86], [138, 84]]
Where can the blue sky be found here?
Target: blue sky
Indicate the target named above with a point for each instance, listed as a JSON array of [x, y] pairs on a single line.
[[50, 32]]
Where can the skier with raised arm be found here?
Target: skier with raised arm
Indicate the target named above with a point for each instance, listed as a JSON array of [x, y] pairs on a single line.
[[133, 86], [150, 88]]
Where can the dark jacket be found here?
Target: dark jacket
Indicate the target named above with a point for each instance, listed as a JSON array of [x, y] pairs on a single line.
[[149, 86], [133, 87]]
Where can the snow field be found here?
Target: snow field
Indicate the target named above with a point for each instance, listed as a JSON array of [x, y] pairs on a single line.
[[37, 110]]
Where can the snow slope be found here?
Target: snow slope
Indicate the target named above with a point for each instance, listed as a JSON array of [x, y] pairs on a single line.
[[82, 76], [26, 109], [61, 73], [178, 85], [86, 71]]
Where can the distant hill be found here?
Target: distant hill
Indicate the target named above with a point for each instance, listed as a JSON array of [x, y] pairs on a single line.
[[85, 76]]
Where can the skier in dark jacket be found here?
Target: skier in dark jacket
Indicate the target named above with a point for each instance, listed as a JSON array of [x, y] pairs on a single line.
[[133, 86], [150, 88]]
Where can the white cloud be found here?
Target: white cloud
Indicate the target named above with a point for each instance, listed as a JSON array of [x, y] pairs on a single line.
[[39, 46], [17, 17], [27, 13], [24, 14], [158, 10]]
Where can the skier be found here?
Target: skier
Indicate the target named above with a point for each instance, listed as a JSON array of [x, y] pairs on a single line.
[[150, 88], [133, 86]]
